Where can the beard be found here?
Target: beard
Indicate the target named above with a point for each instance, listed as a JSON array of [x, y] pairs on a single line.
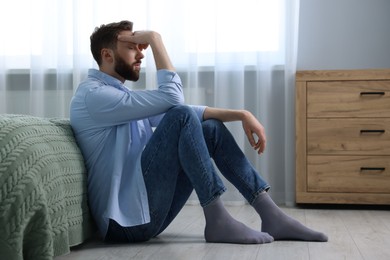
[[125, 70]]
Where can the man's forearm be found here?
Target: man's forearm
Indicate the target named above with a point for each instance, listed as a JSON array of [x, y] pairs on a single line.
[[224, 115], [160, 54], [252, 127]]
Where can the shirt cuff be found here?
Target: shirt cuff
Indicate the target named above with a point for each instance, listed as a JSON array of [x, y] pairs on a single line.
[[199, 110], [164, 75]]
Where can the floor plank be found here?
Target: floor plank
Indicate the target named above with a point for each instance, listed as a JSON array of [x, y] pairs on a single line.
[[340, 244], [370, 232], [353, 234]]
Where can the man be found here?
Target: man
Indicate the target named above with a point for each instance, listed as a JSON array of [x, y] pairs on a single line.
[[139, 179]]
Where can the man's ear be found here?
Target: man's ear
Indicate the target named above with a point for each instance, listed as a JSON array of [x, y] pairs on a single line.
[[107, 55]]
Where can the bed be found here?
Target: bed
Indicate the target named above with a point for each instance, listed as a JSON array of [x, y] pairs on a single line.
[[43, 199]]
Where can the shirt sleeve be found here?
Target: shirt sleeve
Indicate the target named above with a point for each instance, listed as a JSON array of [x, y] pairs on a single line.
[[155, 120], [115, 105], [199, 110]]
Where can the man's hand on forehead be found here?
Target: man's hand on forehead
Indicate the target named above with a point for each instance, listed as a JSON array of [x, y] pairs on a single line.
[[144, 39], [140, 38]]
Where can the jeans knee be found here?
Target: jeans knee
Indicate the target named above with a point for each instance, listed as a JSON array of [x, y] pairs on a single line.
[[182, 111], [213, 125]]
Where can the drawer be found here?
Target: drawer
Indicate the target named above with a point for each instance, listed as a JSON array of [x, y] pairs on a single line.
[[348, 136], [348, 99], [370, 174]]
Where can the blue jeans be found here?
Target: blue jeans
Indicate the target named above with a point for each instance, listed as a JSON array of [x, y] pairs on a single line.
[[177, 160]]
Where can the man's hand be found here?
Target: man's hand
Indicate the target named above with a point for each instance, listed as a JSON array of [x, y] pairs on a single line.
[[144, 39], [255, 132]]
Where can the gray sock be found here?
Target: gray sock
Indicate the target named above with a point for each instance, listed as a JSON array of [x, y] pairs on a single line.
[[221, 227], [281, 226]]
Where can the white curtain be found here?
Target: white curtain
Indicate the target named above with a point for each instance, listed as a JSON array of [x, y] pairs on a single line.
[[231, 54]]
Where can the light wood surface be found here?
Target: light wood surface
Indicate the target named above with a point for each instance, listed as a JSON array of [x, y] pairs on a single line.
[[348, 136], [365, 174], [300, 138], [348, 99], [326, 75], [355, 234], [343, 137]]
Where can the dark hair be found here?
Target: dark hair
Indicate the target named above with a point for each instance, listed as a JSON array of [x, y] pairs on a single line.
[[106, 36]]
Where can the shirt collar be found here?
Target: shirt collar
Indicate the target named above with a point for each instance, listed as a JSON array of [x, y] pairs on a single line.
[[105, 78]]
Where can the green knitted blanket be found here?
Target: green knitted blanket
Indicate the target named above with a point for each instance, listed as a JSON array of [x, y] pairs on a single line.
[[43, 199]]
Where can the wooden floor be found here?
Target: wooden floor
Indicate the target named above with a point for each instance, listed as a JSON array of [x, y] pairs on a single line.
[[354, 233]]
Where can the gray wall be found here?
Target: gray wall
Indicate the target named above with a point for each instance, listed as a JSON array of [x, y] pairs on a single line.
[[344, 34]]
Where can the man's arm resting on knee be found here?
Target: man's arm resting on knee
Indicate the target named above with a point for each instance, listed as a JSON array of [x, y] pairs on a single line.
[[252, 127]]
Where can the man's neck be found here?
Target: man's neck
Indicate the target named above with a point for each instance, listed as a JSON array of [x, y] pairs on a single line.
[[111, 72]]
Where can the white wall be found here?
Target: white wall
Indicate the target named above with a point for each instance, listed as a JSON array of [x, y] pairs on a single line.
[[344, 34]]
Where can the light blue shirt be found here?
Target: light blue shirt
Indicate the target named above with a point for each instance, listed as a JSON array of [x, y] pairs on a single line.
[[112, 125]]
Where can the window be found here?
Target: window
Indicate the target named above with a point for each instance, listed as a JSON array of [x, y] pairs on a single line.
[[53, 32], [233, 26]]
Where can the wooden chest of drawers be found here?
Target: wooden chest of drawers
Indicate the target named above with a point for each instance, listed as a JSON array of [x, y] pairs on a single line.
[[343, 137]]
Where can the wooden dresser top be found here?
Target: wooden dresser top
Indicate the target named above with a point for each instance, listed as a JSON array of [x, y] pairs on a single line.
[[319, 75]]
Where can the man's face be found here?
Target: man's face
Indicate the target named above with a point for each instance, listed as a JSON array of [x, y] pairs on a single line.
[[128, 59], [125, 69]]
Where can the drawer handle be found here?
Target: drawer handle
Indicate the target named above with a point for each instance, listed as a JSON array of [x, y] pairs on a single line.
[[371, 93], [367, 131], [372, 169]]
